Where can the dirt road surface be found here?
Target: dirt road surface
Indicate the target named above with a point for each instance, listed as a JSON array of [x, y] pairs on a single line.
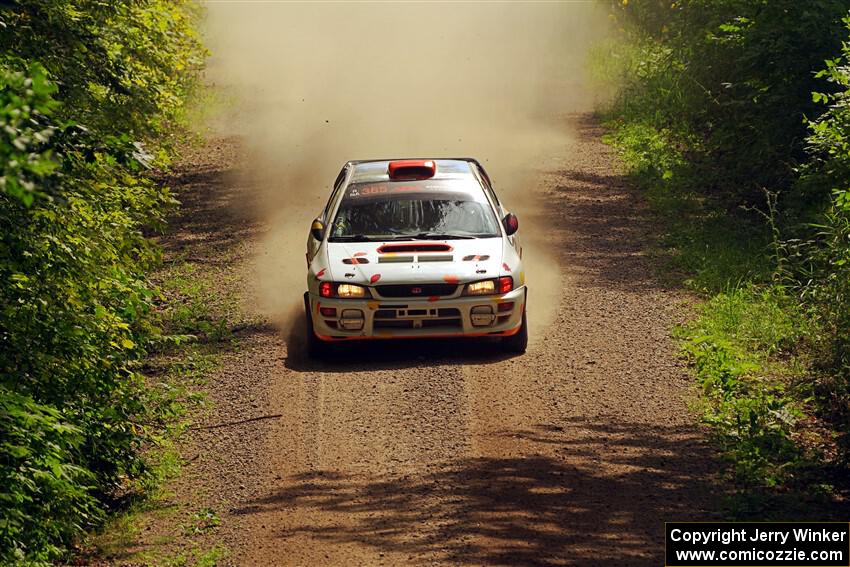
[[450, 453]]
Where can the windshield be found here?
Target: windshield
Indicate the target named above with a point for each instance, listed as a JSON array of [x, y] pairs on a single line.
[[392, 210]]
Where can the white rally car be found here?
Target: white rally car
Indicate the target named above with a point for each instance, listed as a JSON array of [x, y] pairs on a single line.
[[414, 249]]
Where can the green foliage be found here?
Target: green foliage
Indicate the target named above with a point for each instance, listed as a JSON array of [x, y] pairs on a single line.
[[38, 451], [203, 521], [25, 158], [704, 245], [731, 345], [82, 86], [123, 67], [730, 81], [825, 257], [733, 116]]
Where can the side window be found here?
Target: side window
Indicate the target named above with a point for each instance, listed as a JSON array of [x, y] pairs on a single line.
[[487, 186], [340, 177], [337, 184]]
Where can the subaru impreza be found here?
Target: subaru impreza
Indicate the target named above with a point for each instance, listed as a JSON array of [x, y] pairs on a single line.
[[414, 249]]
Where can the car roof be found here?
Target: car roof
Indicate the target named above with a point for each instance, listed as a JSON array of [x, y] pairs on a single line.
[[365, 171]]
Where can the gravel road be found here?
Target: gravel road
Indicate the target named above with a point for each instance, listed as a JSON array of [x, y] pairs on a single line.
[[449, 452]]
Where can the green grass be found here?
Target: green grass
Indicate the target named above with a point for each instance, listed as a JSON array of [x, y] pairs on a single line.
[[194, 304], [203, 521], [196, 557], [759, 321], [741, 345]]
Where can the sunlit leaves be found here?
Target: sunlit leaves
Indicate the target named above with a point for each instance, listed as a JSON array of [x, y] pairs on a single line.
[[25, 157], [86, 90]]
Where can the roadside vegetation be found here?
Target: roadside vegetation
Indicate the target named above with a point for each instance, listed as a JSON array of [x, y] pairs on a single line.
[[92, 98], [733, 117]]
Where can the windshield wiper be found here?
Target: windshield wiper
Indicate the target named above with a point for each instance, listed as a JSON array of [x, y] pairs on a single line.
[[443, 236], [351, 238]]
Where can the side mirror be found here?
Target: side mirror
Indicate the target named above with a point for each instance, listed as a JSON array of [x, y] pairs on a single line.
[[511, 223], [317, 231]]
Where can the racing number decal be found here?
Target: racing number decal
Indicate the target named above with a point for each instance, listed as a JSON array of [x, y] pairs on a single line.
[[373, 190]]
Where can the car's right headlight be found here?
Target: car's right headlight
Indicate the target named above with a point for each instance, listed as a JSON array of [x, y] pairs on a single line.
[[349, 291]]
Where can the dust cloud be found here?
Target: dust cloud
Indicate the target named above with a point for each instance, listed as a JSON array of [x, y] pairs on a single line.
[[312, 85]]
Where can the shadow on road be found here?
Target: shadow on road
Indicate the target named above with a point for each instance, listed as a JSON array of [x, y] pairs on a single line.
[[216, 210], [358, 356], [604, 221], [535, 510]]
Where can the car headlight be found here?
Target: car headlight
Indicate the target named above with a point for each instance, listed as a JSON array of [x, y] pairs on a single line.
[[490, 287], [343, 290], [487, 287], [350, 290]]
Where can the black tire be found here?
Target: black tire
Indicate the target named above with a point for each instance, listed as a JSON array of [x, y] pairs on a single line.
[[518, 342], [316, 347]]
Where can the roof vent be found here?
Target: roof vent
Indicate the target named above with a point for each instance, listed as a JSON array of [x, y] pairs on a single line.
[[411, 169]]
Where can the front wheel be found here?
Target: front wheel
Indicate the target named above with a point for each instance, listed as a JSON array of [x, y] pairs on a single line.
[[518, 342], [316, 347]]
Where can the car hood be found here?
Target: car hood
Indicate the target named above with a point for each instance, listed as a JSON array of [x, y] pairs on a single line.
[[427, 261]]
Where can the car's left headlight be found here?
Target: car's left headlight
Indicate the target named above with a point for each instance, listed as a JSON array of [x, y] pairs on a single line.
[[486, 287]]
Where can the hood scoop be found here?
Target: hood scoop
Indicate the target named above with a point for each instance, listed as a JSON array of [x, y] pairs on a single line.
[[414, 247]]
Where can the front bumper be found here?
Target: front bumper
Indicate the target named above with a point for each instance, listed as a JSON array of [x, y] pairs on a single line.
[[465, 316]]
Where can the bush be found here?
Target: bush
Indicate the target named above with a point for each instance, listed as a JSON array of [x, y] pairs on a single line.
[[74, 204], [741, 139], [730, 82], [825, 262]]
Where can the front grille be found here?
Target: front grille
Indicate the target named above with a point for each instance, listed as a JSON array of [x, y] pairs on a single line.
[[421, 290], [442, 323], [409, 324], [443, 318], [393, 324]]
